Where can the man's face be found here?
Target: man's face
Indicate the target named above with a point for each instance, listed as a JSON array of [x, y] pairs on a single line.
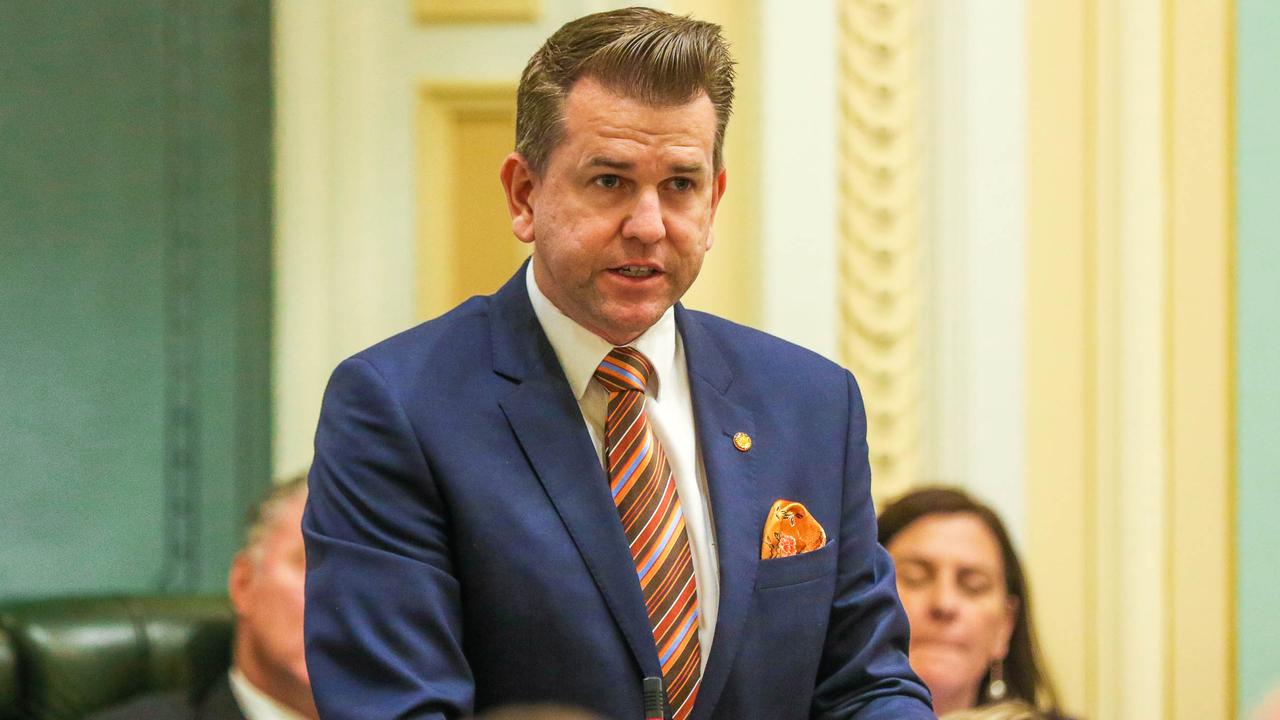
[[267, 584], [621, 216]]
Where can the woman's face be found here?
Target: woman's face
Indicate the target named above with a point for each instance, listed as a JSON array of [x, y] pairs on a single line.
[[951, 581]]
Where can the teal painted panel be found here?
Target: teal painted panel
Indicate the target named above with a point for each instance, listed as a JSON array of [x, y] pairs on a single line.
[[81, 297], [1258, 350], [135, 255], [220, 280]]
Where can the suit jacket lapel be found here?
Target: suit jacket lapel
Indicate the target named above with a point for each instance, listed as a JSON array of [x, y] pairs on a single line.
[[545, 417], [737, 505]]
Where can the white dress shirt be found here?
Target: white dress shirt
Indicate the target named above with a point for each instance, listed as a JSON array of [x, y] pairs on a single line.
[[255, 704], [670, 410]]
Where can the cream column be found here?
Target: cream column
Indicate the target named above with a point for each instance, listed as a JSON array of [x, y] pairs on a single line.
[[798, 173], [302, 352], [1130, 429], [975, 236]]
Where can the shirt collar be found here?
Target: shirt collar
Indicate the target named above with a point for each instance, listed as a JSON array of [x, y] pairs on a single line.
[[580, 351], [255, 704]]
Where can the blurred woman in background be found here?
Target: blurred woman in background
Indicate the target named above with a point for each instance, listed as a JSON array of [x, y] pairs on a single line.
[[967, 601]]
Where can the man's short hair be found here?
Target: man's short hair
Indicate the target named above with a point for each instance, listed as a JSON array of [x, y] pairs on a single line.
[[265, 513], [650, 55]]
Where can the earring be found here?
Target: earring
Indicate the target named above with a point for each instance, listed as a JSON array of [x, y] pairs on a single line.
[[997, 689]]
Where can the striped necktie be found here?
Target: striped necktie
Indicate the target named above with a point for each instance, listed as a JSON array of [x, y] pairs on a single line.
[[644, 492]]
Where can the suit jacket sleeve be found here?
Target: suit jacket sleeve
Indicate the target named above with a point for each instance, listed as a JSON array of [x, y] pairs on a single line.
[[864, 672], [383, 618]]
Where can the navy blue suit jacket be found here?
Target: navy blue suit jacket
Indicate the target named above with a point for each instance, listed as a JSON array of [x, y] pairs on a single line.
[[463, 550]]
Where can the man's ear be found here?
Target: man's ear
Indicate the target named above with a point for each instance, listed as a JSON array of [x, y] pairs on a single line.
[[518, 182], [238, 582], [717, 192]]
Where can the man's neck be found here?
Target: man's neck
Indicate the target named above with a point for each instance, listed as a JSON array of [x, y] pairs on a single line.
[[579, 350]]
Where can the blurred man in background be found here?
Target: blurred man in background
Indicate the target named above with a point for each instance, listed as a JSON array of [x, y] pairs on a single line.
[[268, 676]]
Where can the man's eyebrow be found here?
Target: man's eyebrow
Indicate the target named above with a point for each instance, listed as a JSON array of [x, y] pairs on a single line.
[[608, 162], [693, 168], [687, 168]]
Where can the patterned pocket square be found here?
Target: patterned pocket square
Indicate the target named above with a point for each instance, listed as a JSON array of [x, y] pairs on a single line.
[[790, 530]]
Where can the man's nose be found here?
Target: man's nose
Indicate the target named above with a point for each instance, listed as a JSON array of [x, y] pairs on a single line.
[[645, 221]]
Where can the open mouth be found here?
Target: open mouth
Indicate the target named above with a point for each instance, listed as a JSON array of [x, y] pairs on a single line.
[[636, 271]]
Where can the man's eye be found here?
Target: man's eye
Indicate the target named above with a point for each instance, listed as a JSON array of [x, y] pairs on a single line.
[[609, 182], [681, 184]]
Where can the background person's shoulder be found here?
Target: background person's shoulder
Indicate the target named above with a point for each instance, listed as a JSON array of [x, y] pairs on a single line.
[[159, 706]]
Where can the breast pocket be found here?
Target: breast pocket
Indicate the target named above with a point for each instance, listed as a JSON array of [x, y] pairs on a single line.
[[797, 569]]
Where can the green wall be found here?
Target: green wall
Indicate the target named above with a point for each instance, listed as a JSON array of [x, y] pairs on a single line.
[[1258, 350], [134, 291]]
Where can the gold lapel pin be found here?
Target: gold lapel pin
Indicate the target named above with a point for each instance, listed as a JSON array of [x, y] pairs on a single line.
[[742, 441]]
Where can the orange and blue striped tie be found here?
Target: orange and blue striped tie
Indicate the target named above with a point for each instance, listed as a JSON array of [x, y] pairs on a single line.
[[644, 492]]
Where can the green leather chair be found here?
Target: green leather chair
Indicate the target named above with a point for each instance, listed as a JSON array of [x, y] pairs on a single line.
[[62, 658]]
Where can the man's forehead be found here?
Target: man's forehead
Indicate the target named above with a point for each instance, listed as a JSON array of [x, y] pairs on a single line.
[[608, 122]]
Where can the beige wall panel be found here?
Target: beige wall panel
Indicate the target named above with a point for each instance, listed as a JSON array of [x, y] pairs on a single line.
[[465, 245], [1106, 564], [458, 11], [1130, 355], [1060, 459], [485, 251], [1201, 337]]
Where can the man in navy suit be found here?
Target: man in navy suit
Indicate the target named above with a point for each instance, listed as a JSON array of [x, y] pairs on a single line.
[[470, 537]]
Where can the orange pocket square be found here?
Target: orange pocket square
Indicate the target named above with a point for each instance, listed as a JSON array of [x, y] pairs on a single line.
[[790, 530]]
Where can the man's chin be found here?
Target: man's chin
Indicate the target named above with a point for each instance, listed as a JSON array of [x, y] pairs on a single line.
[[626, 333], [625, 324]]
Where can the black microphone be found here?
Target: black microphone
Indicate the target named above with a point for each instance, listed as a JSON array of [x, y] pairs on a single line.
[[654, 699]]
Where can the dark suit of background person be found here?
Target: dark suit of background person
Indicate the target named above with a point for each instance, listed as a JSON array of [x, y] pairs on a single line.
[[268, 679], [464, 550], [215, 703]]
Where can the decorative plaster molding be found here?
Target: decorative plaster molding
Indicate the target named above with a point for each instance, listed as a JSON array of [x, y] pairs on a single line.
[[880, 220]]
